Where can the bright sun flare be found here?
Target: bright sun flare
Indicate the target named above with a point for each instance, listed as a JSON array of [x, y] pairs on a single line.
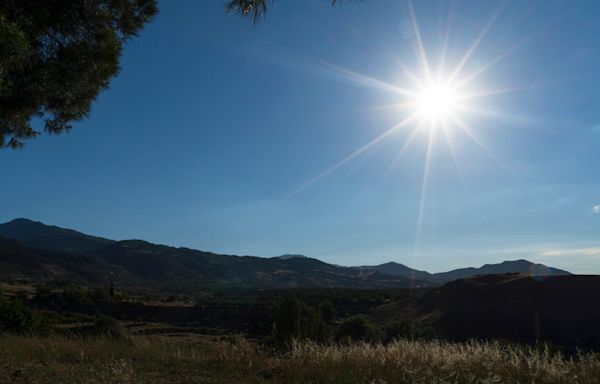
[[437, 102]]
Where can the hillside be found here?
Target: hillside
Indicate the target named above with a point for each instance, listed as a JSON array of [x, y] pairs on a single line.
[[20, 261], [561, 309], [397, 269], [184, 266], [516, 266], [509, 266], [43, 252], [38, 235]]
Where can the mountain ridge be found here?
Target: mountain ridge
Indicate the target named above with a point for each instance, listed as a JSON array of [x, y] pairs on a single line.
[[36, 234], [50, 252]]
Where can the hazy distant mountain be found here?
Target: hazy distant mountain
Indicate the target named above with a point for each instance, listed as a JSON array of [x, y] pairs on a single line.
[[397, 269], [290, 256], [38, 235], [516, 266]]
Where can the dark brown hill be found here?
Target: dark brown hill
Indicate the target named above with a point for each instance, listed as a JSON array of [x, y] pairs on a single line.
[[561, 309]]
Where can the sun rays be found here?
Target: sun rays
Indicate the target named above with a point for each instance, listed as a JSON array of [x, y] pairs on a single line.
[[436, 101]]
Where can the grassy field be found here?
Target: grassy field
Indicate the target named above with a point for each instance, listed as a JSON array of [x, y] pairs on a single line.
[[235, 360]]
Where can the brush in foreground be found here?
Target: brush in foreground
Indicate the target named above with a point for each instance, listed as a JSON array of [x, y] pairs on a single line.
[[147, 360]]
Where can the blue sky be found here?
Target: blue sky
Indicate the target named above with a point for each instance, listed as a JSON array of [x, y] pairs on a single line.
[[212, 130]]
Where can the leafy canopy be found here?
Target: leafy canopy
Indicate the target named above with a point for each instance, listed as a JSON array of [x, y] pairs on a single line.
[[254, 9], [56, 56]]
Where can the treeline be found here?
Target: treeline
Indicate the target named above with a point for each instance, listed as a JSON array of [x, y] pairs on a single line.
[[276, 320], [298, 320]]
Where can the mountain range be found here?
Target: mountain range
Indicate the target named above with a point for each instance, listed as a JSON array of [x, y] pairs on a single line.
[[41, 252]]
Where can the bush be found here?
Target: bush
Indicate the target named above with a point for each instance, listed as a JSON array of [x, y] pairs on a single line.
[[17, 318], [328, 310], [409, 329], [106, 326], [42, 291], [359, 328], [296, 320]]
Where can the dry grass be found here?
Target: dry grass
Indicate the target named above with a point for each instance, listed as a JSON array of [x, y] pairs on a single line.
[[157, 360], [437, 362], [8, 289]]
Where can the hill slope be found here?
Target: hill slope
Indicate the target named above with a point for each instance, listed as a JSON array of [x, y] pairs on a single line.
[[397, 269], [561, 309], [42, 253], [162, 264], [19, 261], [516, 266], [38, 235], [47, 252]]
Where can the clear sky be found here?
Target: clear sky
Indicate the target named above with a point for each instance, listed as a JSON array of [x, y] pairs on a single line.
[[218, 135]]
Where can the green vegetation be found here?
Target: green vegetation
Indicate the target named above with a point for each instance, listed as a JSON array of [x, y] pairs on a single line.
[[296, 320], [107, 327], [17, 318], [57, 56], [409, 329], [236, 360], [359, 328], [318, 336], [255, 9]]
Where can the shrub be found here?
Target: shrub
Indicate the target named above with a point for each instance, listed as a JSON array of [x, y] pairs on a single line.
[[296, 320], [106, 326], [17, 318], [99, 295], [359, 328], [328, 310], [409, 329], [42, 291]]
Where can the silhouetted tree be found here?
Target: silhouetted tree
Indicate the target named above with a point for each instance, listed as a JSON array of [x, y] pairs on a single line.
[[287, 320], [408, 329], [359, 328], [296, 320], [56, 56], [252, 8], [111, 291], [328, 310]]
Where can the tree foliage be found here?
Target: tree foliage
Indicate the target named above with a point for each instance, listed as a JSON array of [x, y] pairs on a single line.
[[409, 329], [56, 56], [17, 318], [251, 8], [254, 9], [359, 328], [297, 320]]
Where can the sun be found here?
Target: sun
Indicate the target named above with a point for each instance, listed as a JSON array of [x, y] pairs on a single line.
[[437, 102]]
